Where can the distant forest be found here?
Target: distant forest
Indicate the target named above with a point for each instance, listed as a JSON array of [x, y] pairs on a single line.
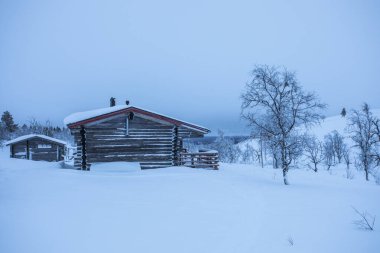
[[9, 129]]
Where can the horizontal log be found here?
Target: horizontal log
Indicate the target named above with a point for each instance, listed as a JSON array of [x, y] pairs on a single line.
[[135, 151], [132, 153], [127, 159]]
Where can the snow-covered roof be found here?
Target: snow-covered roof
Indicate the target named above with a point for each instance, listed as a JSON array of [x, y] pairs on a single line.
[[30, 136], [79, 116], [94, 115]]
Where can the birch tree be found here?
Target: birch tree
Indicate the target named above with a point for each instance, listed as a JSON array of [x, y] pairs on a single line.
[[362, 128], [313, 152], [274, 102]]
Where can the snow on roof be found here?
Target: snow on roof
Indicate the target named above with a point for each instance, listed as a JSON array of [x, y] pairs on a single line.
[[29, 136], [81, 116]]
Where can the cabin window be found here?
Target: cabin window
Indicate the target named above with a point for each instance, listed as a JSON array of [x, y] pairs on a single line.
[[44, 146]]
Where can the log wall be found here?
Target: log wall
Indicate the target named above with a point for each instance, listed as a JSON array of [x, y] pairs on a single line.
[[151, 143], [53, 153]]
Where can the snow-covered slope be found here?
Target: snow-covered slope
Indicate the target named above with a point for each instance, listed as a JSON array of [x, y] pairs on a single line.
[[240, 208], [337, 123]]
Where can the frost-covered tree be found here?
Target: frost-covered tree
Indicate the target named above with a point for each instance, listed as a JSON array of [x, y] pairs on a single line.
[[3, 134], [363, 132], [7, 122], [338, 145], [376, 123], [64, 134], [334, 144], [35, 127], [275, 152], [313, 151], [48, 129], [249, 154], [328, 151], [262, 138], [275, 103], [347, 160], [228, 152]]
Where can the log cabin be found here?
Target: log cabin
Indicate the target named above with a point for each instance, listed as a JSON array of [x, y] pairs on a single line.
[[37, 147], [131, 134]]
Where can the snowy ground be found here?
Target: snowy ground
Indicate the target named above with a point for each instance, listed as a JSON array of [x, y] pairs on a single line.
[[240, 208]]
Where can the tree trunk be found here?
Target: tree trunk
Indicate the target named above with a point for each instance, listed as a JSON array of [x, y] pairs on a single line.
[[275, 161], [261, 153], [366, 165], [285, 175], [285, 163]]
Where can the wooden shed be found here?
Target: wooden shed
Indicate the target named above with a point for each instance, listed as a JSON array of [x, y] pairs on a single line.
[[128, 133], [37, 147]]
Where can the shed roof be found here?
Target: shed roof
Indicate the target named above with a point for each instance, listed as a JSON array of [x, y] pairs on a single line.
[[30, 136], [82, 118]]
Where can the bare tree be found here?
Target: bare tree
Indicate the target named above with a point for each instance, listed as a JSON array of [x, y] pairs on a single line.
[[35, 127], [275, 103], [328, 151], [338, 145], [249, 154], [347, 161], [275, 152], [314, 151], [262, 139], [376, 123], [228, 152], [363, 133]]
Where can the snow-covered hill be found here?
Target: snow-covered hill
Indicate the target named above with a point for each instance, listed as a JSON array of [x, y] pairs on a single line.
[[337, 123], [240, 208]]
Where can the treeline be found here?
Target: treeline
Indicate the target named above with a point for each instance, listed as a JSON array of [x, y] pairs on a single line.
[[280, 113], [10, 130], [357, 147]]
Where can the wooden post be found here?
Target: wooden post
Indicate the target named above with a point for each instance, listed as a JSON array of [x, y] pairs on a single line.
[[83, 144], [175, 161], [27, 150], [12, 152], [57, 153]]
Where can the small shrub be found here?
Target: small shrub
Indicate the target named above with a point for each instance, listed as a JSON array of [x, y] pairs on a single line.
[[366, 221], [290, 241]]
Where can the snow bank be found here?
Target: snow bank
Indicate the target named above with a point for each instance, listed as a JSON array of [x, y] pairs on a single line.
[[240, 208], [115, 167]]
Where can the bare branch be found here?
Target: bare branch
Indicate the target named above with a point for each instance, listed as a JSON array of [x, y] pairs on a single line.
[[366, 222]]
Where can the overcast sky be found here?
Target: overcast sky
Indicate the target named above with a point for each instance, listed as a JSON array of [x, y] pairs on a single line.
[[186, 59]]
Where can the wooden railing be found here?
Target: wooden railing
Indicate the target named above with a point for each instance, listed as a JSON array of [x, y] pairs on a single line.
[[201, 159]]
